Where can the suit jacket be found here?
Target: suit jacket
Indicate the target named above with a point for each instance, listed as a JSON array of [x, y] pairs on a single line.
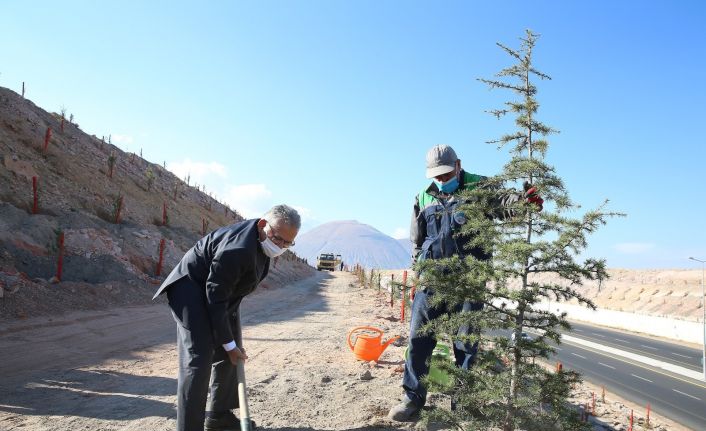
[[227, 264]]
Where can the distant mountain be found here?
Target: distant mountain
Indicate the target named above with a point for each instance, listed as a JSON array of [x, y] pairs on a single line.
[[407, 244], [356, 243]]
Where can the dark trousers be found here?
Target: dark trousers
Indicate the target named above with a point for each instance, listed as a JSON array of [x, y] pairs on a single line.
[[203, 365], [421, 345]]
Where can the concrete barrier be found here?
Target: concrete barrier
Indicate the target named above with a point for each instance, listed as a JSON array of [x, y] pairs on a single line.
[[676, 329]]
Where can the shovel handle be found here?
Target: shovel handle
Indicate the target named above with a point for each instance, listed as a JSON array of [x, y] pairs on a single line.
[[245, 423]]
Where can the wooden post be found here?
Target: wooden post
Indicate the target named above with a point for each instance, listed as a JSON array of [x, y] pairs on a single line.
[[62, 124], [559, 367], [593, 406], [648, 415], [35, 202], [392, 291], [603, 393], [60, 262], [164, 213], [23, 89]]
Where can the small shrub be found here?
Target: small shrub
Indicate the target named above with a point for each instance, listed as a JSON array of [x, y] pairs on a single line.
[[150, 178]]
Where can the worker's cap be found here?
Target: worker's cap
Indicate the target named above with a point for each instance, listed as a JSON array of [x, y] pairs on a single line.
[[441, 159]]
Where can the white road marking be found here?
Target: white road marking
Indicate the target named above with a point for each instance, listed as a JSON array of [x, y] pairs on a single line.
[[690, 396], [606, 365], [576, 354], [598, 335], [642, 378], [683, 356], [672, 368], [621, 340], [649, 347], [578, 330]]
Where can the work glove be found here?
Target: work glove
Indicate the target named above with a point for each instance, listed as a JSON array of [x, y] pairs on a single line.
[[532, 197]]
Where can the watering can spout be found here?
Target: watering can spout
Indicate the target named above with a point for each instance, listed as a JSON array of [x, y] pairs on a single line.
[[390, 341]]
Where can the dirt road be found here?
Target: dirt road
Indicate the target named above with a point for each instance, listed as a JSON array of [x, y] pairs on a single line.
[[116, 370]]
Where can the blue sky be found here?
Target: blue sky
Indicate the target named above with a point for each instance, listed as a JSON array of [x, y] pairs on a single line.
[[330, 106]]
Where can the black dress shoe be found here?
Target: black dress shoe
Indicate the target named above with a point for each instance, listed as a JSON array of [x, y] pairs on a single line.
[[224, 422]]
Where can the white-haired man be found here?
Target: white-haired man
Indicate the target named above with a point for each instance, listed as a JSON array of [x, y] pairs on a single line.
[[204, 291]]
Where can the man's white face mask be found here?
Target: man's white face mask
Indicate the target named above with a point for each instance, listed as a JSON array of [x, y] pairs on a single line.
[[271, 249]]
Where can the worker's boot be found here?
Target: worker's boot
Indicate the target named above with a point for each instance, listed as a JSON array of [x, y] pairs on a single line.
[[404, 411]]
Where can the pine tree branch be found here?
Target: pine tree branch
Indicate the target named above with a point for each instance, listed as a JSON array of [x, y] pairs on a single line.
[[510, 51], [499, 84], [540, 74]]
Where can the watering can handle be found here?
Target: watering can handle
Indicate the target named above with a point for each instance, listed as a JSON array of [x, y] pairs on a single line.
[[368, 328]]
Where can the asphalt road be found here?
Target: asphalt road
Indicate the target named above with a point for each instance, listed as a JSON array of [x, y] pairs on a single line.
[[665, 351], [678, 398], [671, 395]]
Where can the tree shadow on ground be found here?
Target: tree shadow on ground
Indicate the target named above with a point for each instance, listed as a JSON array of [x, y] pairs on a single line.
[[364, 428], [94, 394]]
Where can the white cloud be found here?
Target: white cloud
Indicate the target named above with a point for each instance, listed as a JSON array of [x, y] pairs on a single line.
[[199, 171], [400, 232], [122, 139], [250, 200], [634, 247]]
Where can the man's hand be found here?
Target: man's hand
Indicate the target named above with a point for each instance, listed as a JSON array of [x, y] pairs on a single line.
[[532, 197], [236, 355]]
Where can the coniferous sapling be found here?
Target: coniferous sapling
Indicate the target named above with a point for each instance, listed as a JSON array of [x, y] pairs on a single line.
[[506, 388]]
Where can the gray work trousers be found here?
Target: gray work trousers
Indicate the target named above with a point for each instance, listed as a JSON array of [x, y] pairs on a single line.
[[202, 363]]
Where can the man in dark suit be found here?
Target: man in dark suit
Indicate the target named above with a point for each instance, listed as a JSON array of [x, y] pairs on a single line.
[[204, 291]]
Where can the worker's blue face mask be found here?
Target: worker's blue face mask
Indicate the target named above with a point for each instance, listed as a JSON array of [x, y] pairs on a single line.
[[449, 186]]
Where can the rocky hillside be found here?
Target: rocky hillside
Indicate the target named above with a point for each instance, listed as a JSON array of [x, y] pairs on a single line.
[[112, 208]]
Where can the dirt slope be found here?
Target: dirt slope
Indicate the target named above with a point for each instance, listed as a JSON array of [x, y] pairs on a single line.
[[105, 263]]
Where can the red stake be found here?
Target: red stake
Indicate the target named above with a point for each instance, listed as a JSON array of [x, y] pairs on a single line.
[[60, 263], [161, 256], [648, 414], [404, 278], [35, 203], [404, 299], [631, 420], [559, 367], [412, 292], [47, 137], [120, 208]]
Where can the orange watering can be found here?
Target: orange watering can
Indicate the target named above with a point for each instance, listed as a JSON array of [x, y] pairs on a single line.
[[368, 347]]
